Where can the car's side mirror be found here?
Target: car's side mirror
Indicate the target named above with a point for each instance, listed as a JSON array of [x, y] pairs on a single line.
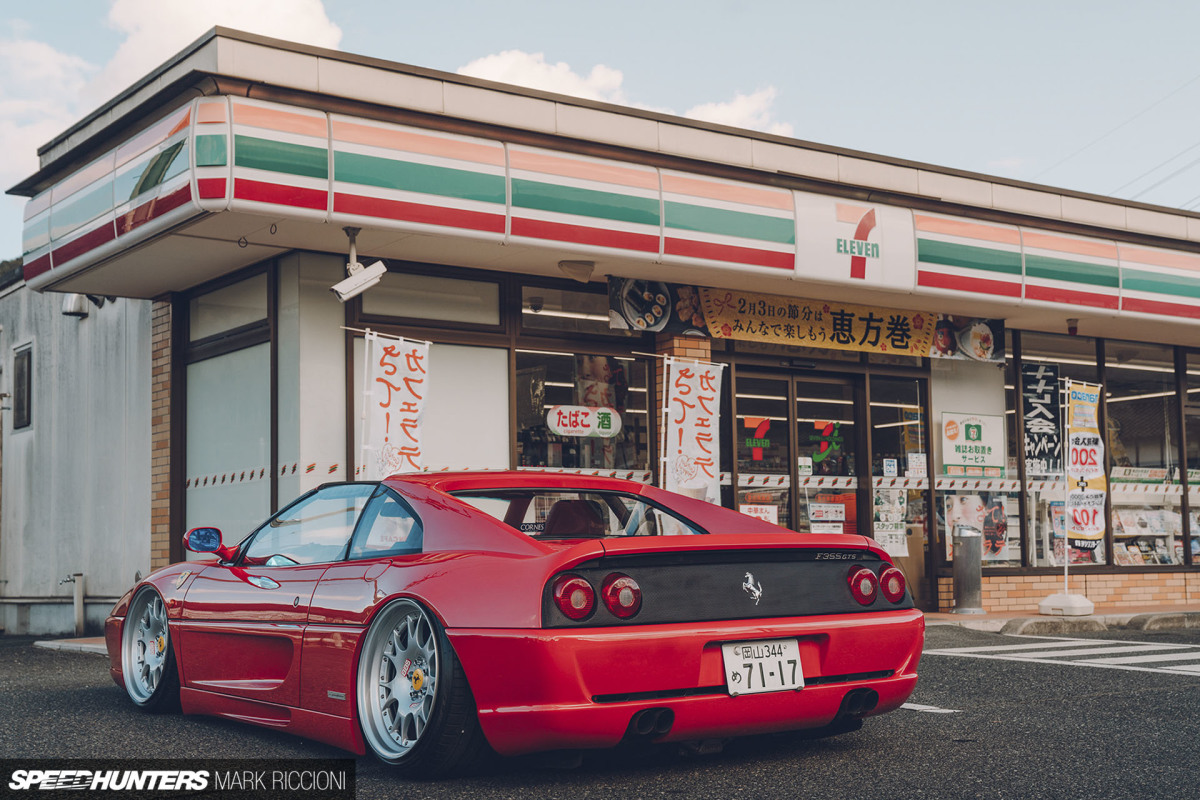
[[207, 540]]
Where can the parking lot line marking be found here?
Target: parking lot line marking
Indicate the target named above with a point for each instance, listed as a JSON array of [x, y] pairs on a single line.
[[1190, 656], [929, 709], [1087, 651], [1055, 650]]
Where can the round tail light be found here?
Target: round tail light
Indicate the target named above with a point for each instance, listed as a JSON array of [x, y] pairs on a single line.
[[892, 584], [863, 585], [574, 597], [622, 596]]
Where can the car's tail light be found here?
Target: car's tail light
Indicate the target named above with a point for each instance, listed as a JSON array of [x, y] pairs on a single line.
[[622, 596], [574, 597], [892, 584], [863, 585]]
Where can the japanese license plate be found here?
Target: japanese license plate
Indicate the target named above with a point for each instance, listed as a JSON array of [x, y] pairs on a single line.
[[764, 666]]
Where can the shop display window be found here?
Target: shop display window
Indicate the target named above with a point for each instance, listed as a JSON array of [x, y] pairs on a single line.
[[1143, 445], [826, 463], [1046, 362], [899, 466], [22, 388], [577, 411], [560, 311], [1191, 417], [763, 447], [228, 308], [434, 297]]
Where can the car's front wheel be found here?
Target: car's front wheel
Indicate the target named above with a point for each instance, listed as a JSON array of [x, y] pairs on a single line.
[[147, 658], [414, 704]]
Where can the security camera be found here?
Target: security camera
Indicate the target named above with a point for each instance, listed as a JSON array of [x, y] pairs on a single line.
[[360, 279], [536, 304]]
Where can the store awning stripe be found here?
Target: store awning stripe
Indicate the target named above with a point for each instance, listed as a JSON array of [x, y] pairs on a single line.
[[596, 171], [211, 150], [1136, 280], [713, 251], [583, 202], [969, 284], [1089, 248], [727, 191], [419, 213], [408, 176], [1062, 295], [401, 140], [737, 224], [584, 235], [1171, 259], [983, 259], [153, 136], [253, 152], [280, 194], [1060, 269], [1159, 308], [276, 118], [966, 229]]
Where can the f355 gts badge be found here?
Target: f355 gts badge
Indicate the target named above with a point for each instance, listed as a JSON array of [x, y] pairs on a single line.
[[752, 587]]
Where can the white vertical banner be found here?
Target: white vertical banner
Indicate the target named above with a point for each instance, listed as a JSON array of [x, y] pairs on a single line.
[[395, 385], [691, 445]]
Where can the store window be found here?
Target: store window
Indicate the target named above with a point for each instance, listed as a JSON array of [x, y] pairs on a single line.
[[434, 297], [1143, 447], [22, 388], [578, 411], [561, 311], [899, 466], [1191, 416], [1046, 362], [228, 309], [763, 447]]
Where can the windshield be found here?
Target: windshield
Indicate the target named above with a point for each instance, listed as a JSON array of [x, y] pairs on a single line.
[[568, 514]]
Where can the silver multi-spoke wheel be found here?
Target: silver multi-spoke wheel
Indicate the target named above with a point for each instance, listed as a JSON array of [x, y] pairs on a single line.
[[398, 675], [146, 649]]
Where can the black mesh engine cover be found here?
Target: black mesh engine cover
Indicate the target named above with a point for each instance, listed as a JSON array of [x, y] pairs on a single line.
[[727, 585]]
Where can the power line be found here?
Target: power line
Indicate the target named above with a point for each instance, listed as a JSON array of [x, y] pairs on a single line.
[[1155, 185], [1104, 136], [1155, 168]]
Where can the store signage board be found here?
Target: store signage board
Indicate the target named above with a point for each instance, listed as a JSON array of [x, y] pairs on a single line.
[[763, 511], [972, 445], [1086, 479], [396, 378], [690, 431], [848, 242], [1041, 411], [826, 512], [659, 307], [583, 421]]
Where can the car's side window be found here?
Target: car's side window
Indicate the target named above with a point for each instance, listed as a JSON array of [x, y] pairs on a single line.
[[388, 527], [313, 530]]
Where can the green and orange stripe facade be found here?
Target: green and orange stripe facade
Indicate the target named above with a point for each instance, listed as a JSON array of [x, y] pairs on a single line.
[[225, 153]]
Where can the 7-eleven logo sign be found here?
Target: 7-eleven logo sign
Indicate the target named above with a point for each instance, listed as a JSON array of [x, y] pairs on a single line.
[[858, 248]]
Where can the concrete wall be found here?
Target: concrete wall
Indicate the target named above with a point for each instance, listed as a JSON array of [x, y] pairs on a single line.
[[76, 483]]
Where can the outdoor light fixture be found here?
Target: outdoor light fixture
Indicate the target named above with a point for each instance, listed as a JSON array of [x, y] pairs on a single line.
[[359, 278], [75, 305], [579, 270]]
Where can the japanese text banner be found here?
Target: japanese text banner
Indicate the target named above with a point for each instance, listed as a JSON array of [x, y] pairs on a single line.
[[1088, 484], [691, 442], [397, 384]]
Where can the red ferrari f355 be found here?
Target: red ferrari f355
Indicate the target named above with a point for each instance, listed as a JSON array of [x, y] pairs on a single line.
[[430, 616]]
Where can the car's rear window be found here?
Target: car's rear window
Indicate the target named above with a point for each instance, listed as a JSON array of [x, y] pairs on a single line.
[[570, 514]]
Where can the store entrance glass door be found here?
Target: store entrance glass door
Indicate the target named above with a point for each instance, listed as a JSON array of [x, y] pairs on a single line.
[[827, 443]]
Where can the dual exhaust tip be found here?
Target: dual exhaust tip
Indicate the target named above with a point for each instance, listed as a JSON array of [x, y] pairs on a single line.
[[650, 723], [858, 703]]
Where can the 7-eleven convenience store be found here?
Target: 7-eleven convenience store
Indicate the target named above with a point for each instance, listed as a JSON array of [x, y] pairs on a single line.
[[551, 249]]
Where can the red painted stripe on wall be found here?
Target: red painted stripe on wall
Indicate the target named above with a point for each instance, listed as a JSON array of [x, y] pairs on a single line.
[[726, 252], [1159, 307], [89, 241], [36, 267], [1051, 294], [938, 280], [210, 188], [581, 234], [280, 194], [417, 212]]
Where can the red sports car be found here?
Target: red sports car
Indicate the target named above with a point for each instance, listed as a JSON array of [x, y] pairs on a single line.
[[429, 616]]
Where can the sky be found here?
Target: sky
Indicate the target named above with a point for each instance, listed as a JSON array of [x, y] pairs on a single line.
[[1099, 96]]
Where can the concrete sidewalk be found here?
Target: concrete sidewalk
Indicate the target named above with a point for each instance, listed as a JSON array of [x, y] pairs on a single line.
[[1151, 618]]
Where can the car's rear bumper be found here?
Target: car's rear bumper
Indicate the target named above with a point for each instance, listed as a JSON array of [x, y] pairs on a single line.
[[580, 688]]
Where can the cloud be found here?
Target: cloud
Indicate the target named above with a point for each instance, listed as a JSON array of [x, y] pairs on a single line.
[[753, 111], [157, 29], [532, 70]]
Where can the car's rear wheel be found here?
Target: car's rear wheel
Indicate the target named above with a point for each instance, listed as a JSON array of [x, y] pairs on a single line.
[[147, 658], [414, 704]]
